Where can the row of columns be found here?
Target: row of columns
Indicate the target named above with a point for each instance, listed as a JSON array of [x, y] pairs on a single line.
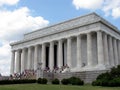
[[105, 55]]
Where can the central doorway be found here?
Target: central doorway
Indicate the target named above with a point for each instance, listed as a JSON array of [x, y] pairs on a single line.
[[55, 56], [47, 57]]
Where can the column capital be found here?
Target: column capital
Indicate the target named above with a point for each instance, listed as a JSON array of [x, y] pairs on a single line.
[[36, 45], [104, 32], [19, 50], [79, 36], [52, 41], [13, 51], [88, 33], [43, 44], [70, 37], [25, 48], [30, 46], [82, 34], [60, 40], [99, 31]]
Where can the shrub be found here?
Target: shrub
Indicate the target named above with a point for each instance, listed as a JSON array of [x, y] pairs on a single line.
[[114, 82], [115, 72], [39, 80], [75, 81], [103, 76], [22, 81], [111, 78], [97, 83], [2, 82], [65, 81], [80, 82], [55, 81], [44, 81]]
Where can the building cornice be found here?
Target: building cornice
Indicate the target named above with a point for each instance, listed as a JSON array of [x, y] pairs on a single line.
[[99, 19]]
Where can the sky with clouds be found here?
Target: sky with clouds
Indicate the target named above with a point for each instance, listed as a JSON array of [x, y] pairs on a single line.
[[21, 16]]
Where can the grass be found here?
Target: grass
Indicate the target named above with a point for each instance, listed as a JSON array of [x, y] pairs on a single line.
[[54, 87]]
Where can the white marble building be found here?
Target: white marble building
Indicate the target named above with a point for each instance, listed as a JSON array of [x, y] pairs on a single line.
[[85, 43]]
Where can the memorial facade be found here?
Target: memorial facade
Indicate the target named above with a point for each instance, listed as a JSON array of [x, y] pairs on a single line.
[[86, 43]]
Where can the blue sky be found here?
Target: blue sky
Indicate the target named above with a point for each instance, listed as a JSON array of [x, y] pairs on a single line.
[[52, 10], [59, 10], [21, 16]]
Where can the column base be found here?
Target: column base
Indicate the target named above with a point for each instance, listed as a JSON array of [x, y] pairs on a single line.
[[100, 67], [76, 69], [90, 68], [108, 66]]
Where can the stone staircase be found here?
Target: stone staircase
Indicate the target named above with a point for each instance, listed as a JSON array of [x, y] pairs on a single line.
[[86, 76]]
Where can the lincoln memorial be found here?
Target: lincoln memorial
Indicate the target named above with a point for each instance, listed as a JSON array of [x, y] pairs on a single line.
[[83, 44]]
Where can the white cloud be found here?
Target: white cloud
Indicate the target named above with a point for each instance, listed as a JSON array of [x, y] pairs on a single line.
[[116, 12], [4, 66], [8, 2], [109, 7], [17, 22], [87, 4], [13, 24], [5, 59]]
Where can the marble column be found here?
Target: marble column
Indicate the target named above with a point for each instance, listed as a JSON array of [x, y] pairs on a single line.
[[79, 59], [119, 50], [115, 51], [51, 56], [30, 58], [100, 48], [12, 63], [36, 57], [89, 49], [60, 54], [43, 56], [23, 57], [111, 51], [69, 54], [18, 61], [106, 55]]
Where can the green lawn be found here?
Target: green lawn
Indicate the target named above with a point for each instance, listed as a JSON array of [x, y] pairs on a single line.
[[54, 87]]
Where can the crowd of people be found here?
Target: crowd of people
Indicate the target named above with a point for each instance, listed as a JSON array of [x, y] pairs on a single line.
[[29, 73], [24, 75], [57, 69]]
